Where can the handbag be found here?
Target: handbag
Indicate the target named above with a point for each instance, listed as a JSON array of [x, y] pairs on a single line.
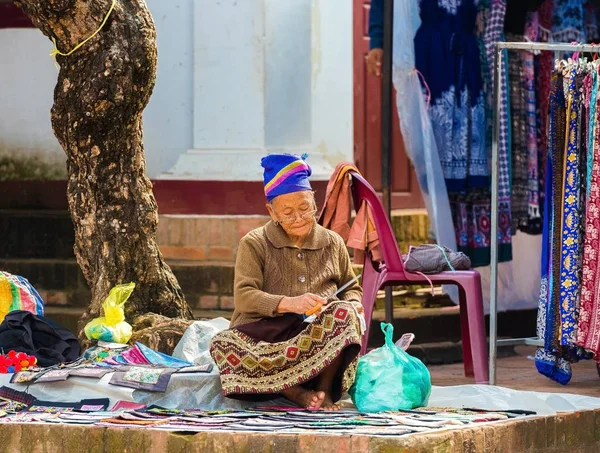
[[433, 259]]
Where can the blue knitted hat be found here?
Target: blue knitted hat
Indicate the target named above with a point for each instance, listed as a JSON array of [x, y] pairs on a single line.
[[285, 173]]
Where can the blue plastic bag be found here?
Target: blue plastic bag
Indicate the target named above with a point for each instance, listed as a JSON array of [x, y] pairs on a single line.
[[389, 379]]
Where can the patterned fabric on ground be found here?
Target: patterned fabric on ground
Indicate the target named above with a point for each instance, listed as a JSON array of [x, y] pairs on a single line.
[[7, 393], [143, 378], [274, 419], [265, 357]]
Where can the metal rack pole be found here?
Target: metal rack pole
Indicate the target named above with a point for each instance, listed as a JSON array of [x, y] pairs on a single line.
[[534, 46], [499, 55], [386, 131]]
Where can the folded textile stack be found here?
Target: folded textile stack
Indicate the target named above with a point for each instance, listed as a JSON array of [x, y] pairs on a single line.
[[263, 419], [137, 367]]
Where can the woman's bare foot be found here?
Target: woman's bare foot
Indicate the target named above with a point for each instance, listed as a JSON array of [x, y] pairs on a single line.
[[328, 404], [305, 398]]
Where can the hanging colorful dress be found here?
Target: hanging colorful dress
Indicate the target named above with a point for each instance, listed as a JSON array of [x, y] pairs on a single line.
[[447, 54], [592, 33], [568, 22], [494, 32], [534, 220], [518, 116], [563, 230], [417, 132], [544, 65], [588, 328], [546, 360]]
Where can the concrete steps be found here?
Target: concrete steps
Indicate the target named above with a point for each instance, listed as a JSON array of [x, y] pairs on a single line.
[[437, 330], [200, 250]]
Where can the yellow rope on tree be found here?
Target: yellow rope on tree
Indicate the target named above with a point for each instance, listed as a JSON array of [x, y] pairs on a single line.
[[56, 52]]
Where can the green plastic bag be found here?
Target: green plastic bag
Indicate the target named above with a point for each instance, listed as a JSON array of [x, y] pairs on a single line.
[[112, 326], [389, 379]]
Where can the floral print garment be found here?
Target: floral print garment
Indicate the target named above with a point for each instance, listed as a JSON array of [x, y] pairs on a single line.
[[447, 39]]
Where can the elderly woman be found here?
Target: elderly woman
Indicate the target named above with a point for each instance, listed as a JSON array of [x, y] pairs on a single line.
[[285, 269]]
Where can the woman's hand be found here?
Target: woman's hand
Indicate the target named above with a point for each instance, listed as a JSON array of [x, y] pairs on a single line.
[[300, 304], [374, 58]]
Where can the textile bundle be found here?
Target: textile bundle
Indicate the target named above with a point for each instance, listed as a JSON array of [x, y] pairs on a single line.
[[16, 293], [336, 215]]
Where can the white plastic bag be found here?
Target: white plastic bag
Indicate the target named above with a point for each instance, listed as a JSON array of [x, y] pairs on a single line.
[[415, 124], [195, 342]]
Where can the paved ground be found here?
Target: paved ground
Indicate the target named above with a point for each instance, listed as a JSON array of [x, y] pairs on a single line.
[[519, 373]]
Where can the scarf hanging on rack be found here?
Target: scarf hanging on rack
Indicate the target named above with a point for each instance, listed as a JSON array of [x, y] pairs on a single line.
[[571, 231], [519, 154], [544, 66], [534, 221], [569, 304], [492, 33], [547, 361], [588, 334]]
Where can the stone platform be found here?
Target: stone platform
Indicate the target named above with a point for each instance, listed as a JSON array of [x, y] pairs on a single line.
[[572, 432], [566, 432]]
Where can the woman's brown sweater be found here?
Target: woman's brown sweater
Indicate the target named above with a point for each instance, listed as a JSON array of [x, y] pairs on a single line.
[[268, 268]]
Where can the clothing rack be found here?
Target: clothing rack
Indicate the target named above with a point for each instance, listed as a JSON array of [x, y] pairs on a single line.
[[499, 58]]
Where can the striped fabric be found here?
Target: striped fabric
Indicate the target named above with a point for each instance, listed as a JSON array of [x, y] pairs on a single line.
[[16, 293], [283, 174]]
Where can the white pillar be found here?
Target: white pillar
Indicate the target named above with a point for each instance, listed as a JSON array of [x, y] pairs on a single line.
[[332, 79], [269, 76]]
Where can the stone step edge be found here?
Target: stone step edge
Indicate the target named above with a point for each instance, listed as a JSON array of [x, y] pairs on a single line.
[[430, 353], [185, 238]]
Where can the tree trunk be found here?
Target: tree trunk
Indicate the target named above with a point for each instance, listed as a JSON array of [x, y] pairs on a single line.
[[102, 90]]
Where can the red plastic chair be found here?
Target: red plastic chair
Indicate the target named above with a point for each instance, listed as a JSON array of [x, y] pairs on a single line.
[[391, 272]]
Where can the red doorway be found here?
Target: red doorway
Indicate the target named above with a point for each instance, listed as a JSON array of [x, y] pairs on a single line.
[[367, 123], [12, 17]]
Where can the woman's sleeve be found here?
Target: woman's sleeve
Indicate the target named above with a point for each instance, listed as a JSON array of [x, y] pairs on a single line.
[[354, 291], [249, 298], [376, 24]]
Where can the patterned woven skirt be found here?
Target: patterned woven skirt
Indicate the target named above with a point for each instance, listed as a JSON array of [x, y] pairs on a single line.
[[258, 360]]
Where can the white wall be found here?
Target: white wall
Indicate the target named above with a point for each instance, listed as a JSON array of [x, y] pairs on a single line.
[[236, 79], [27, 79], [168, 118]]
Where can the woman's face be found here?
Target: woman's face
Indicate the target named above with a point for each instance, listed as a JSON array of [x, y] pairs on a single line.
[[295, 212]]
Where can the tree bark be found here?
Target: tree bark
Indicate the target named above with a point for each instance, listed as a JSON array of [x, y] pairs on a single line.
[[102, 90]]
